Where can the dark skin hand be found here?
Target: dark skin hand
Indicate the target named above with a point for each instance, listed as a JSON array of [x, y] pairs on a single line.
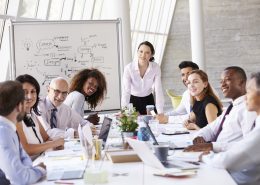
[[93, 118], [199, 140], [200, 147]]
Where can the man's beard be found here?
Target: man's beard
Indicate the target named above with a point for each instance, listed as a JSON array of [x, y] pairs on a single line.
[[20, 116]]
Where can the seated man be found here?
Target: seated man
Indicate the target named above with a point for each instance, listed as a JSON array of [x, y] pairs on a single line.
[[233, 123], [15, 163], [58, 119], [242, 160], [184, 107]]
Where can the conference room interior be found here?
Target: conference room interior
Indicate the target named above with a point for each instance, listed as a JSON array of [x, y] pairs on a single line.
[[214, 34]]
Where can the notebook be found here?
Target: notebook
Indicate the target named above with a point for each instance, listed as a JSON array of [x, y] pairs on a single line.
[[64, 175], [64, 164], [148, 157]]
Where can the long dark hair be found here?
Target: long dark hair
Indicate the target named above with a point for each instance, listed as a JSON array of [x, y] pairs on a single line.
[[81, 77], [151, 48], [31, 80]]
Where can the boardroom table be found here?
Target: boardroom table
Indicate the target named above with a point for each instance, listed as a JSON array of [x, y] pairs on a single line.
[[138, 173]]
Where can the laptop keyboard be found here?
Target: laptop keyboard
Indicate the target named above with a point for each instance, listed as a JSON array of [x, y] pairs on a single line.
[[180, 164]]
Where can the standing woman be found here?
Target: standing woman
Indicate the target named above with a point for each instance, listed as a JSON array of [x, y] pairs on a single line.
[[31, 133], [142, 78], [87, 85], [206, 106]]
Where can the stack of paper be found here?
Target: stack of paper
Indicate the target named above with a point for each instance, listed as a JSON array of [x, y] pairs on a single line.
[[186, 156]]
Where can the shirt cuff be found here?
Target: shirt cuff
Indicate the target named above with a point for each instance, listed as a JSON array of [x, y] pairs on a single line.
[[219, 146], [207, 158], [69, 134], [170, 119], [85, 122], [160, 110], [42, 170]]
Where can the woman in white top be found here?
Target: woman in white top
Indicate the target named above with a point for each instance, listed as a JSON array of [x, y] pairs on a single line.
[[31, 133], [87, 85], [141, 79]]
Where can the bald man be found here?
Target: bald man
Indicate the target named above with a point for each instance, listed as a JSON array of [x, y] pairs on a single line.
[[59, 120]]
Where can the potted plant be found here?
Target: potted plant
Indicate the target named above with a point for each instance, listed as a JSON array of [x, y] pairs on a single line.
[[128, 121]]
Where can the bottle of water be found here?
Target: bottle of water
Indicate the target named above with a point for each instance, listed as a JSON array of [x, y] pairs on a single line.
[[143, 133]]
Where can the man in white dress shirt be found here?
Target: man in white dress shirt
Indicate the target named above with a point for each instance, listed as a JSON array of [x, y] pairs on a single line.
[[184, 107], [227, 128], [15, 162], [66, 121], [242, 160]]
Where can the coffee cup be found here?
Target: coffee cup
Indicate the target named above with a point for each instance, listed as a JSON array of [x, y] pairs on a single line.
[[161, 152], [149, 108]]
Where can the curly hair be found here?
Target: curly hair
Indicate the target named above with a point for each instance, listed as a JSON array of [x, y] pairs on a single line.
[[31, 80], [79, 80]]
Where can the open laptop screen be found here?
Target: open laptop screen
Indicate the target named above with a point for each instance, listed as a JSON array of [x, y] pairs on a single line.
[[150, 132], [105, 129]]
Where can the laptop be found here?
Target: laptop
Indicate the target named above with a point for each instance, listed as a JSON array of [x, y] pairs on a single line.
[[104, 131], [148, 157]]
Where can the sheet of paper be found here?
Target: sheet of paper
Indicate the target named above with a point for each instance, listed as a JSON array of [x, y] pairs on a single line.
[[186, 156]]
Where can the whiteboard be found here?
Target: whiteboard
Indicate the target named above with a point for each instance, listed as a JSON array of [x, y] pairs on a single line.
[[48, 49]]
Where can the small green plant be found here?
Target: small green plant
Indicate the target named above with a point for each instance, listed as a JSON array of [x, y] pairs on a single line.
[[128, 120]]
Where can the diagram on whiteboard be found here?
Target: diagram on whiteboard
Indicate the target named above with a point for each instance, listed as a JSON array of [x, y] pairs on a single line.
[[46, 51], [58, 53]]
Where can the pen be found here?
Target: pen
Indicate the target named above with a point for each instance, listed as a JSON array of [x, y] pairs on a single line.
[[63, 182]]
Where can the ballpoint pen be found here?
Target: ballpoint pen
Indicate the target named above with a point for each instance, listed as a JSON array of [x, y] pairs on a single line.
[[63, 182]]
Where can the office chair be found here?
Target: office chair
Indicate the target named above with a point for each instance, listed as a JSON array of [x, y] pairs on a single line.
[[174, 98]]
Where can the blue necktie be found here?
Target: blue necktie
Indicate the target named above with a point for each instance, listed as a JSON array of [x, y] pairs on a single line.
[[53, 119]]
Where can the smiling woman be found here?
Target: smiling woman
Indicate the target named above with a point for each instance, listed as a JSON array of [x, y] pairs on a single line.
[[142, 80], [87, 85], [206, 106], [31, 132]]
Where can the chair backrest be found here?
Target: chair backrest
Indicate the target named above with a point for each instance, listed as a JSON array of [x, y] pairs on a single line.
[[175, 99]]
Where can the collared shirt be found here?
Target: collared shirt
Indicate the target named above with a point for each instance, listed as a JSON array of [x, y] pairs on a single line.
[[242, 160], [236, 125], [134, 84], [76, 100], [29, 133], [15, 162], [66, 119]]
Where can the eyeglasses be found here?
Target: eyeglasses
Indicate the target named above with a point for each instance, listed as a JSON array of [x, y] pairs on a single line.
[[57, 92]]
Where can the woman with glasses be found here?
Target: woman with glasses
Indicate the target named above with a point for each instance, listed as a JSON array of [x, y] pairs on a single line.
[[31, 132], [87, 85], [206, 106]]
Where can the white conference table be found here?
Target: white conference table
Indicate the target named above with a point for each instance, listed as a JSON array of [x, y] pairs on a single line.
[[140, 174]]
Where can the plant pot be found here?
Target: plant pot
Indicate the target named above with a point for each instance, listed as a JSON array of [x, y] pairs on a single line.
[[127, 134]]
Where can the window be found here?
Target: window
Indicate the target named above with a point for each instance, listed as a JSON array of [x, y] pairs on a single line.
[[151, 20], [28, 8], [3, 8]]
